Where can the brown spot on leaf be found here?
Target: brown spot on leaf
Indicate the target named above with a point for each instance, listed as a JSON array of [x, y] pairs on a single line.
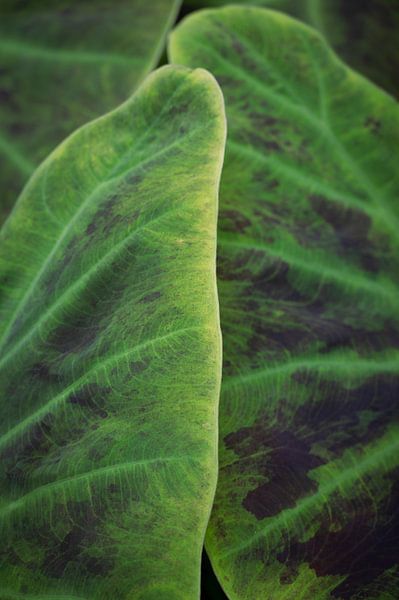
[[74, 338], [362, 549], [91, 228], [351, 227], [233, 221], [373, 124], [138, 366], [93, 397], [337, 421], [151, 297], [282, 459], [43, 372]]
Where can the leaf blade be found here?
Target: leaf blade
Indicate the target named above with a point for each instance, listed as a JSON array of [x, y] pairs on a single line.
[[109, 444], [363, 34], [308, 293]]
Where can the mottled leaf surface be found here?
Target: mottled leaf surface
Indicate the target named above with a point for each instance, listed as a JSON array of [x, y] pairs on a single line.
[[110, 353], [363, 32], [307, 501], [61, 65]]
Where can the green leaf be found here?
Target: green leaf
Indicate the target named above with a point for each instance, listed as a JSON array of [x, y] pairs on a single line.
[[110, 363], [64, 63], [307, 497], [363, 32], [216, 3]]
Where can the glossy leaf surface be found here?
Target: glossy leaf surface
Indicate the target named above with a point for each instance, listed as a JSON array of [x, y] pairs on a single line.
[[307, 500], [363, 32], [64, 63], [110, 361]]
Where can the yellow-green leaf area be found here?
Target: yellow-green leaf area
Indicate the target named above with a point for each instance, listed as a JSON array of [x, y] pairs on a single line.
[[111, 353]]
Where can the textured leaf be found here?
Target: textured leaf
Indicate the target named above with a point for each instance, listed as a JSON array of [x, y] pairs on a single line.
[[110, 364], [307, 501], [363, 32], [64, 63]]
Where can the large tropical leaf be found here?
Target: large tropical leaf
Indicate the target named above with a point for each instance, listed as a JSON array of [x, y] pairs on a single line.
[[307, 501], [363, 32], [110, 362], [64, 63]]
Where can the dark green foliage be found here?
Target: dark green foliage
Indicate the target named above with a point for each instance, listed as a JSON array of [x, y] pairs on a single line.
[[110, 345], [64, 63], [308, 267]]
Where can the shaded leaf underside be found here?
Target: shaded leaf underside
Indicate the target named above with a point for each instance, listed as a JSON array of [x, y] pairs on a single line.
[[61, 65], [307, 500], [110, 353]]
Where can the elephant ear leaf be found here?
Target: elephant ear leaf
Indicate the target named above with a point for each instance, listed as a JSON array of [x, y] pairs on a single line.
[[364, 33], [110, 353], [63, 64], [308, 263]]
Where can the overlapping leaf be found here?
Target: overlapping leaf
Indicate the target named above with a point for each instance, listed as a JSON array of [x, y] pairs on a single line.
[[110, 353], [64, 63], [363, 32], [307, 500]]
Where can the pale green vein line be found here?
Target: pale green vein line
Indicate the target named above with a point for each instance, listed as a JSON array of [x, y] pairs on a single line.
[[97, 267], [86, 476], [345, 364], [35, 417], [248, 457], [32, 51], [301, 111], [368, 186], [296, 109], [387, 449], [299, 177], [69, 225], [285, 84], [345, 277], [14, 155]]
